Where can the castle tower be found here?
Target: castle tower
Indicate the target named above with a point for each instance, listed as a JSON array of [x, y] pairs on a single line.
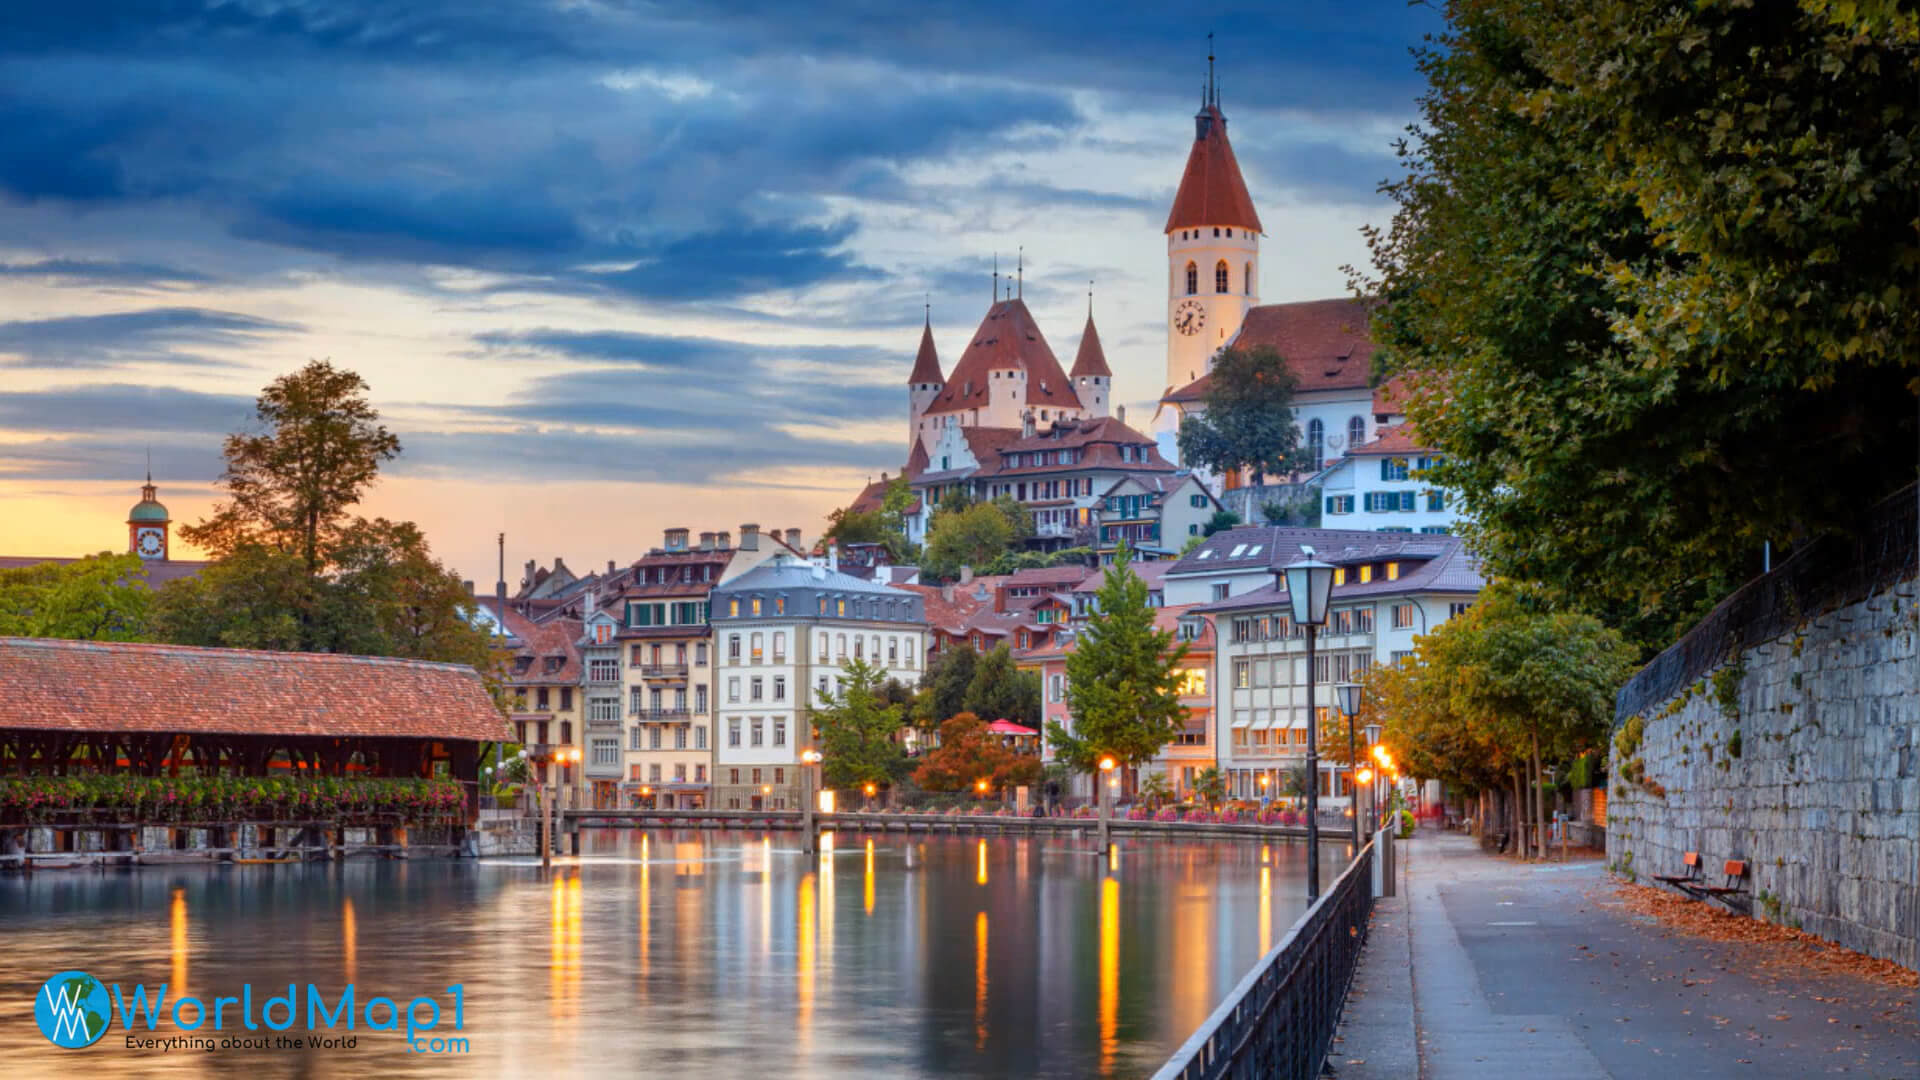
[[922, 387], [1092, 378], [1213, 248], [147, 525]]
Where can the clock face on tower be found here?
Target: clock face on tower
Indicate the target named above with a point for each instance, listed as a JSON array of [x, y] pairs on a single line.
[[149, 543], [1189, 317]]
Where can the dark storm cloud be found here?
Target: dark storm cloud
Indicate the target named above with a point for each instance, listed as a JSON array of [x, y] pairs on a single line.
[[156, 334]]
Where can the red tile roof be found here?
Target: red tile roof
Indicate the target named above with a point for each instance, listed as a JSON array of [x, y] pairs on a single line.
[[926, 365], [1091, 359], [1212, 191], [1398, 439], [92, 686], [1008, 338], [1326, 343]]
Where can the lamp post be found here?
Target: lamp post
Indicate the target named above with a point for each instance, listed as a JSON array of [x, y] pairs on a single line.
[[1101, 784], [1347, 696], [538, 763], [870, 789], [1263, 792], [808, 759], [1373, 790], [1309, 584]]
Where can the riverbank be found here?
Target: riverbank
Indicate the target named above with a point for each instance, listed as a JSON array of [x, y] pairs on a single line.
[[1490, 966]]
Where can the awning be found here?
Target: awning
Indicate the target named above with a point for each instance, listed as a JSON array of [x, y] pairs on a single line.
[[1008, 727], [1242, 722]]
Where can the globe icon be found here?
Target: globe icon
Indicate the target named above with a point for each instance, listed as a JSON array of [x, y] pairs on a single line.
[[72, 1009]]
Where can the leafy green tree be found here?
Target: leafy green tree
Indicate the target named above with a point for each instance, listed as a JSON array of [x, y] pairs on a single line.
[[858, 728], [1154, 790], [289, 486], [968, 753], [1249, 420], [885, 526], [1651, 275], [1001, 691], [1211, 786], [943, 689], [1123, 679], [1220, 521], [971, 537], [102, 597]]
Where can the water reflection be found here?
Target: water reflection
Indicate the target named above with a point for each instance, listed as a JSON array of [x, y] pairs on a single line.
[[690, 952]]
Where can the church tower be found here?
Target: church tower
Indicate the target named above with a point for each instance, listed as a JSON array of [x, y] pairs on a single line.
[[1092, 378], [147, 525], [1213, 248], [923, 386]]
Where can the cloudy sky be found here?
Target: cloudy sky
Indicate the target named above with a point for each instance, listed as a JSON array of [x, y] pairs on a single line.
[[611, 266]]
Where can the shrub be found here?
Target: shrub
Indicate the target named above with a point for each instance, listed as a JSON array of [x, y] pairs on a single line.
[[1167, 813]]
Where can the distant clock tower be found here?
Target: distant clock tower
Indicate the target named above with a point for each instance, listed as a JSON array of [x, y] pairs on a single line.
[[147, 525], [1213, 249]]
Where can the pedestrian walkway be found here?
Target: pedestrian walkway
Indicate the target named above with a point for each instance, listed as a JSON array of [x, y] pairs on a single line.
[[1489, 967]]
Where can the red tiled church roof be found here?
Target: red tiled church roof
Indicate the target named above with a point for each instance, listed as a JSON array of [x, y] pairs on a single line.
[[1008, 338], [1212, 191], [1091, 359], [926, 365], [94, 686], [1327, 344]]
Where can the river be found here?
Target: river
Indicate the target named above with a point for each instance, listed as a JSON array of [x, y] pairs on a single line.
[[669, 953]]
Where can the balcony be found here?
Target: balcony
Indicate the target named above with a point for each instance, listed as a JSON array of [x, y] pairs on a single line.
[[664, 671], [662, 716]]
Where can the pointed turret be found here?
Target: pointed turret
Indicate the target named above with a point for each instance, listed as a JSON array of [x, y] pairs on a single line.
[[923, 386], [1092, 378], [1212, 191]]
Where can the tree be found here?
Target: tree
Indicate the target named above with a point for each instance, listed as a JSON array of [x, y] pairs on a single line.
[[102, 597], [1000, 691], [289, 487], [1211, 786], [1123, 680], [1651, 278], [1221, 520], [1248, 422], [885, 526], [968, 753], [1154, 790], [943, 689], [857, 729], [970, 537]]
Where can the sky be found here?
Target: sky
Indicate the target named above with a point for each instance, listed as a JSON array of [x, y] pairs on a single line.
[[610, 267]]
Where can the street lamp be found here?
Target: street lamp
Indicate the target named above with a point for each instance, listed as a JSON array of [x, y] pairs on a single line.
[[1372, 732], [1100, 792], [1309, 584], [870, 789], [808, 759], [1263, 791], [1347, 696]]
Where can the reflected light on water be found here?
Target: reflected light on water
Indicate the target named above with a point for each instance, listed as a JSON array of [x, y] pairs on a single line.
[[804, 963], [349, 937], [564, 952], [179, 920], [1109, 973], [1113, 858], [646, 914], [1266, 909], [980, 874], [980, 981], [866, 893], [826, 905]]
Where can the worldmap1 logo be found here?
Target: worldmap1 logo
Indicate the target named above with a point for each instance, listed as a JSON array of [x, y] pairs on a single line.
[[73, 1010]]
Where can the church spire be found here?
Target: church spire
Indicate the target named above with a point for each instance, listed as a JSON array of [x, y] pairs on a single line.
[[1091, 359], [1212, 191], [926, 365]]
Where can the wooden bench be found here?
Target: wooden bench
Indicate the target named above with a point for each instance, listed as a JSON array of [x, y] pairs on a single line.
[[1684, 882], [1735, 894]]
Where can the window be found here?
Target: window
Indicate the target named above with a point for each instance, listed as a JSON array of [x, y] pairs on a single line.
[[893, 651], [541, 696], [733, 648], [1056, 687], [823, 651], [759, 731], [779, 731], [779, 776], [1402, 616], [1316, 442], [756, 605], [1363, 620], [636, 740], [700, 698], [779, 646], [1458, 607], [840, 607], [756, 776], [1248, 279], [1220, 283], [779, 688], [1193, 279], [1220, 589], [635, 701], [566, 698], [733, 607], [700, 737], [602, 633], [1242, 675], [653, 737], [733, 733], [733, 776], [841, 642], [653, 772], [733, 688], [1435, 530], [1356, 430], [679, 736], [779, 605], [1339, 504], [823, 600], [700, 771], [859, 653], [1436, 500], [700, 654], [756, 687], [680, 700], [607, 670], [679, 773], [1393, 468], [756, 648]]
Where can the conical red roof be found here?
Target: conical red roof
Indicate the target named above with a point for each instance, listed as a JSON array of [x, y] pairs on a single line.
[[1212, 191], [926, 366], [1091, 359], [1007, 338]]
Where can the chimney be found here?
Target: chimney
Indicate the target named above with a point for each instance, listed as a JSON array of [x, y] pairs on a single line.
[[749, 537], [676, 540], [946, 593], [1121, 412], [833, 558], [609, 567], [706, 541], [793, 539], [966, 575], [527, 582], [723, 540], [559, 565], [999, 596], [469, 586]]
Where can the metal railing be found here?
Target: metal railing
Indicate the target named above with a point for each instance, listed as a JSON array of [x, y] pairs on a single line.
[[663, 671], [1829, 573], [662, 715], [1279, 1021]]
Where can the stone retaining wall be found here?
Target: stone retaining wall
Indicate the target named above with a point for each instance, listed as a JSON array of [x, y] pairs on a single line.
[[1800, 758]]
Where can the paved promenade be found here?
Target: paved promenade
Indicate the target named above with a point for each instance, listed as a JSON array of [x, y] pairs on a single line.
[[1488, 967]]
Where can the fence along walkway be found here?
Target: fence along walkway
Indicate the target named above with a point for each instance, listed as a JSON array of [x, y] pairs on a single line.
[[1280, 1019]]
